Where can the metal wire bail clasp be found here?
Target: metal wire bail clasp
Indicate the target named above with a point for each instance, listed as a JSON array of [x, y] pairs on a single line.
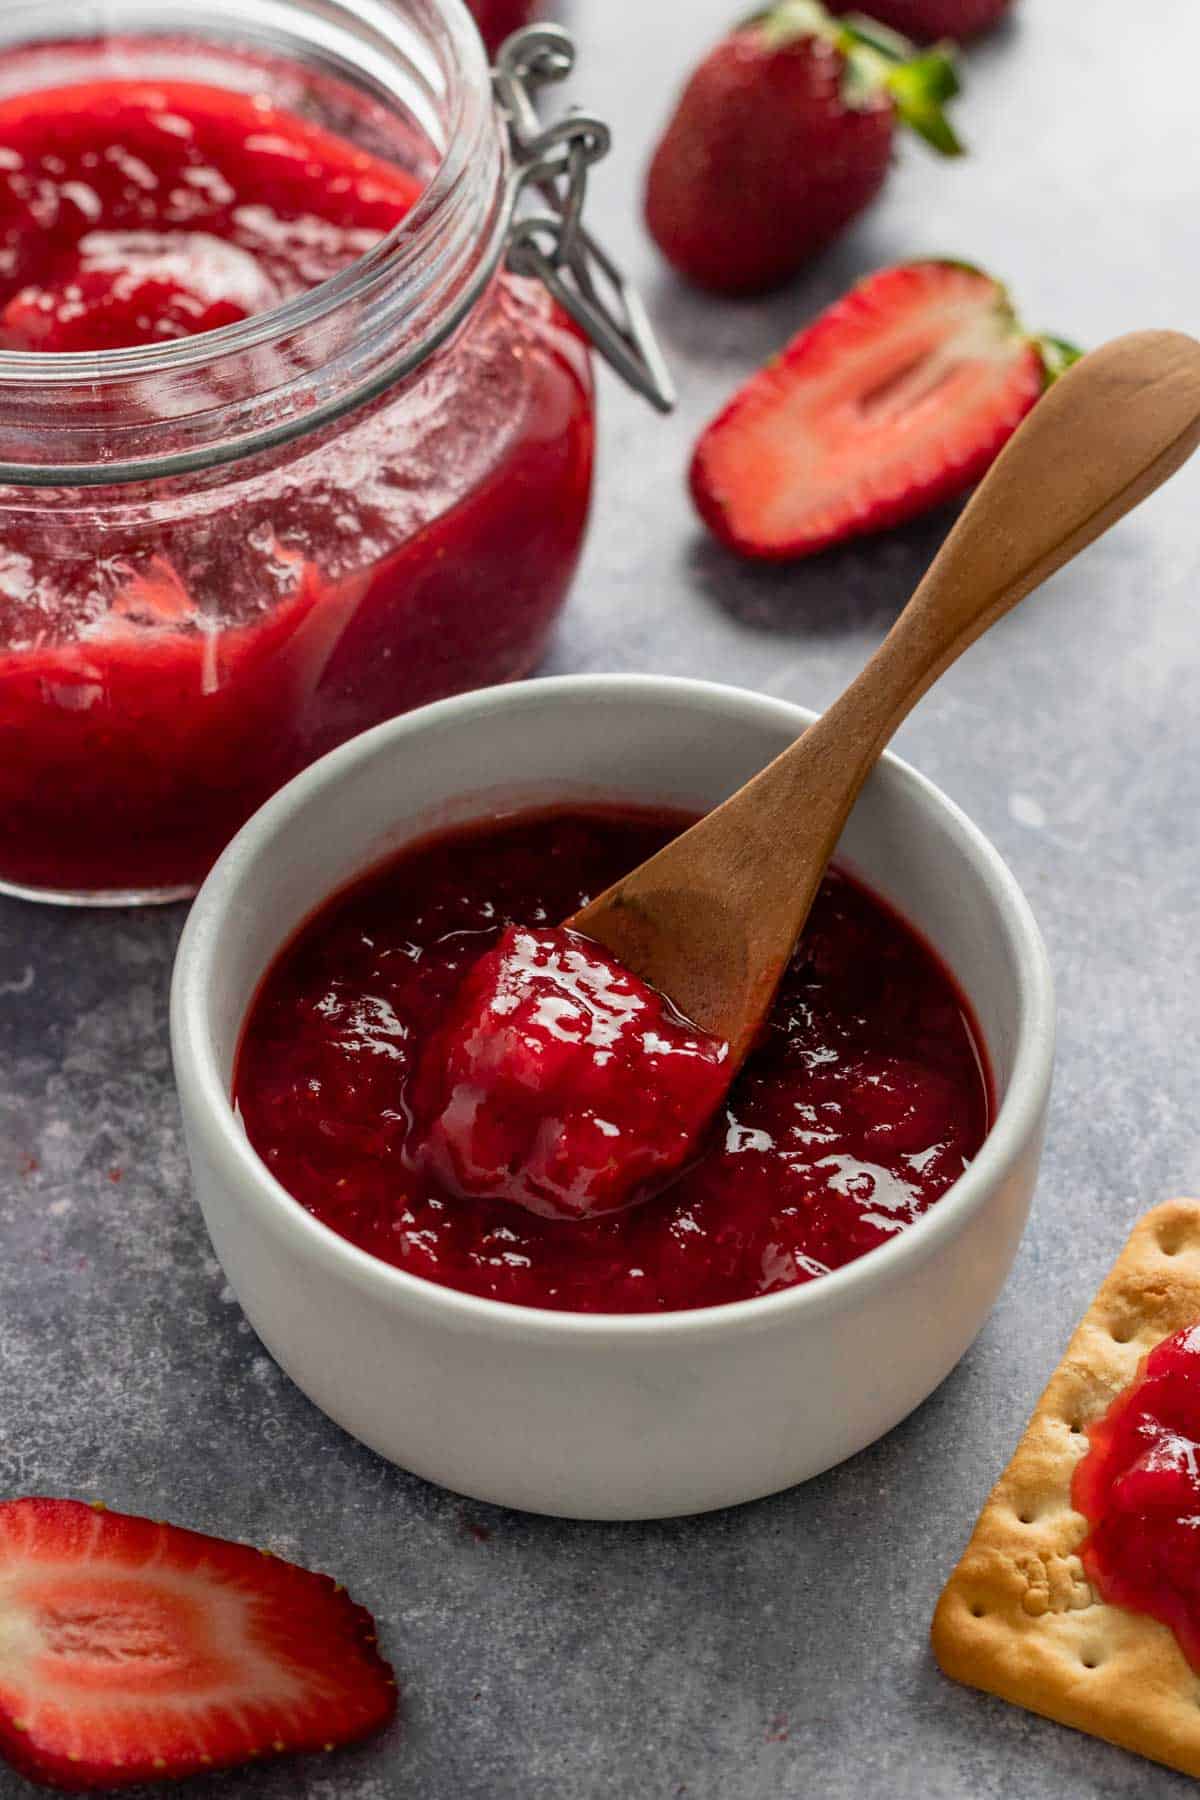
[[552, 241]]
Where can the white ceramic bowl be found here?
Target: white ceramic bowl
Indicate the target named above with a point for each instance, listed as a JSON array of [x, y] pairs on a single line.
[[602, 1416]]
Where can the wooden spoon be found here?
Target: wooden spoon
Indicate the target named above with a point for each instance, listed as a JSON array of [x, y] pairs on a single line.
[[712, 920]]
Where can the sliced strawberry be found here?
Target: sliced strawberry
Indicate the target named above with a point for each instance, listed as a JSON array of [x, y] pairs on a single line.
[[896, 399], [134, 1651]]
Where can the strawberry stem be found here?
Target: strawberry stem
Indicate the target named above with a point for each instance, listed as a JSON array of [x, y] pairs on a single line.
[[920, 82], [877, 60], [920, 89], [1057, 356]]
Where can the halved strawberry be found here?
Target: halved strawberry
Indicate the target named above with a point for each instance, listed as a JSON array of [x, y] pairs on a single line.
[[895, 399], [134, 1651]]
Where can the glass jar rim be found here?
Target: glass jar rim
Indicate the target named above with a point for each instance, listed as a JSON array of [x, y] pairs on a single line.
[[427, 273]]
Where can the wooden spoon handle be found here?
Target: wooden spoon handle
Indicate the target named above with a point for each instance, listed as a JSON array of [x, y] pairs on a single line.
[[713, 918], [1110, 431]]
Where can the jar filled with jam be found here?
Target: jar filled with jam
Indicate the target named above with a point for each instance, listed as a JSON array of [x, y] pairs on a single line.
[[294, 433]]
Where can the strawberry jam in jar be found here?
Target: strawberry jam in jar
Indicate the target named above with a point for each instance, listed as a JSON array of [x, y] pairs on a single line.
[[288, 442]]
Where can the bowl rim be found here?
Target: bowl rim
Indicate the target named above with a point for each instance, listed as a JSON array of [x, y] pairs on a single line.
[[203, 1092]]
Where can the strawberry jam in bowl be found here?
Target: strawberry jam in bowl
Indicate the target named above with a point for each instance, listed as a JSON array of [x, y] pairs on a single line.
[[285, 449], [494, 1204], [496, 1105]]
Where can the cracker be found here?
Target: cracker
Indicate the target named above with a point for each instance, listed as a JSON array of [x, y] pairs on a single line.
[[1018, 1616]]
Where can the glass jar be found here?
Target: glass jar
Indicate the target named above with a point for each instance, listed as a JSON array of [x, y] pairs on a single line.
[[223, 554]]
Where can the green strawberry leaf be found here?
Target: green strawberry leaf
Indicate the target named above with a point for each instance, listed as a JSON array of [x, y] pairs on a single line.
[[1057, 356], [877, 60], [920, 89]]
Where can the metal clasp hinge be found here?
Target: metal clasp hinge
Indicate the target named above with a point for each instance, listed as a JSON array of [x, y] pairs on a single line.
[[552, 241]]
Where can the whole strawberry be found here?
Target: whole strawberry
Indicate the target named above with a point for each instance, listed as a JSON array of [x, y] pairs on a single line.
[[926, 20], [782, 136], [497, 19]]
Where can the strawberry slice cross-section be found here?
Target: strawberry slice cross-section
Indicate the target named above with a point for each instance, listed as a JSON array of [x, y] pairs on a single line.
[[134, 1651], [894, 400]]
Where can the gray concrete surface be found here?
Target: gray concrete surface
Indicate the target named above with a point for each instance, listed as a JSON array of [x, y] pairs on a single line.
[[777, 1651]]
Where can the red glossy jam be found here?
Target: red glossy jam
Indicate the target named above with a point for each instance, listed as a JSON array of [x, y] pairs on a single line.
[[862, 1104], [133, 211], [1139, 1487], [170, 656], [561, 1082]]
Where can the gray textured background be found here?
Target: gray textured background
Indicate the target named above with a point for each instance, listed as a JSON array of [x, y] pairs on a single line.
[[778, 1650]]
